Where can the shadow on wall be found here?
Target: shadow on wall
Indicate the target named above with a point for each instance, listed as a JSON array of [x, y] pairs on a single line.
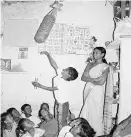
[[17, 68]]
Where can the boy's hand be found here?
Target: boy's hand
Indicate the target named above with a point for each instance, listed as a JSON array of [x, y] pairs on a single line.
[[44, 52], [35, 84]]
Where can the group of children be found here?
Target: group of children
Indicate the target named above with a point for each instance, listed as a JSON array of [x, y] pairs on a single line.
[[14, 124], [49, 125]]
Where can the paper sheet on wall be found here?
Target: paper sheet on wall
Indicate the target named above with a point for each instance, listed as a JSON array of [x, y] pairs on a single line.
[[66, 38], [20, 32], [23, 52]]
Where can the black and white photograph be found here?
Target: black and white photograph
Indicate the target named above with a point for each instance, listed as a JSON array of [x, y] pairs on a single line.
[[65, 68]]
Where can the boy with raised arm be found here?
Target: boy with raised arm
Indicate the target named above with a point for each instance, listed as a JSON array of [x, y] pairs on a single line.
[[60, 88]]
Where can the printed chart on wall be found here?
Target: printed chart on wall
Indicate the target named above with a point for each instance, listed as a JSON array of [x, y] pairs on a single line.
[[67, 39]]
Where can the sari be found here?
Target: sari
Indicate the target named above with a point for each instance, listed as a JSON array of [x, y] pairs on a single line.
[[108, 101], [94, 96]]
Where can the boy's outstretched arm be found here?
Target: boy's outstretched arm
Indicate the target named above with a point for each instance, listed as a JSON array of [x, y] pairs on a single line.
[[36, 84], [51, 60]]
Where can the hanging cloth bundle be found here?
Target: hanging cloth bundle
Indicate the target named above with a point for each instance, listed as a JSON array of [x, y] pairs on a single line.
[[47, 23], [46, 26]]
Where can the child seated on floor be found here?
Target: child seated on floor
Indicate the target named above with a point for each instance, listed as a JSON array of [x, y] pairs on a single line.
[[46, 107], [78, 127], [15, 114], [8, 125], [26, 113], [50, 124], [26, 129]]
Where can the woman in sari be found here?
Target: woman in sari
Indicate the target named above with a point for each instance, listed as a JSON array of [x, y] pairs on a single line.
[[95, 75]]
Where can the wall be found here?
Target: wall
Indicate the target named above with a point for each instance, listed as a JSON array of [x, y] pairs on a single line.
[[125, 82], [93, 14], [16, 86]]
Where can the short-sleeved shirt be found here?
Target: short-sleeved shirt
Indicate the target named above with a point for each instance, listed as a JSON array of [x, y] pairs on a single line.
[[51, 128], [64, 132], [62, 93], [10, 133]]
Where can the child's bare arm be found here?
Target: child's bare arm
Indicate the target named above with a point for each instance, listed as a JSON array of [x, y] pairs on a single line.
[[51, 60], [36, 84]]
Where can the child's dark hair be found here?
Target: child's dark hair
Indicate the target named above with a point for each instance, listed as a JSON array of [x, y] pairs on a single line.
[[103, 50], [10, 110], [73, 73], [39, 113], [24, 106], [44, 104], [20, 128], [83, 121], [86, 131]]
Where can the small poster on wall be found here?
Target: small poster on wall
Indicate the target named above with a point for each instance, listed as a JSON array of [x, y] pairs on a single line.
[[5, 64], [23, 52]]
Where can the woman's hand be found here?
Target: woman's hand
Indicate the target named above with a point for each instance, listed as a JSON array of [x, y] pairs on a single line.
[[87, 78]]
